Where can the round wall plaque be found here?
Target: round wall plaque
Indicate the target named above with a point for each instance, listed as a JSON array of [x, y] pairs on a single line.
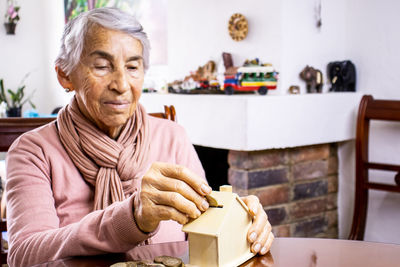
[[238, 27]]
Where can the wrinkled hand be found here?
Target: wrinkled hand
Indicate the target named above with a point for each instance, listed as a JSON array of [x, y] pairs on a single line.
[[169, 192], [259, 235]]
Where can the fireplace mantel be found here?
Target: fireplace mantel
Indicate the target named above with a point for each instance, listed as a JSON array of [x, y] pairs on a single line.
[[253, 122]]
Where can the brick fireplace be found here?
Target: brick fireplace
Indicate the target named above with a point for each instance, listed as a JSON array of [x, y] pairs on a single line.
[[296, 186], [282, 148]]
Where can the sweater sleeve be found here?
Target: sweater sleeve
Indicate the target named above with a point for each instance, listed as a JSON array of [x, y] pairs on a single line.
[[35, 235]]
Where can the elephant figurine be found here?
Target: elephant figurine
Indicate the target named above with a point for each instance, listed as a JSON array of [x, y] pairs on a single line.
[[342, 76], [313, 78]]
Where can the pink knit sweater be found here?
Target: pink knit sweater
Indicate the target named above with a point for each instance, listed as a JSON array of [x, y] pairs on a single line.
[[49, 204]]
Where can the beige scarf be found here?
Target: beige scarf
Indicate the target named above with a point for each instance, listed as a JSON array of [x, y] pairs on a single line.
[[110, 165]]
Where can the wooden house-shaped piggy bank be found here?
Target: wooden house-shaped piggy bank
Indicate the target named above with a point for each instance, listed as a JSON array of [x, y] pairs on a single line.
[[219, 236]]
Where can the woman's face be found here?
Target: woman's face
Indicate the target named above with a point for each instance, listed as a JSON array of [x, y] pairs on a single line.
[[108, 80]]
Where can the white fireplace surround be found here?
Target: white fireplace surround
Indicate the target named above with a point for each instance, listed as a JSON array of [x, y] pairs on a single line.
[[253, 122]]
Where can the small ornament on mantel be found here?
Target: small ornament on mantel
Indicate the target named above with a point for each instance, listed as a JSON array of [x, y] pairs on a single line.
[[294, 89], [313, 78]]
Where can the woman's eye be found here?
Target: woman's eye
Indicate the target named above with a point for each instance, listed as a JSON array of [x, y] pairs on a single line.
[[101, 70], [101, 67], [133, 70]]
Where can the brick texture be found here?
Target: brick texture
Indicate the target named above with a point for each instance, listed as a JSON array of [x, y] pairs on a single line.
[[304, 208], [310, 153], [259, 178], [277, 215], [257, 159], [267, 177], [310, 189], [332, 184], [332, 218], [297, 187], [310, 227], [238, 178], [333, 165], [272, 195], [310, 170], [331, 202]]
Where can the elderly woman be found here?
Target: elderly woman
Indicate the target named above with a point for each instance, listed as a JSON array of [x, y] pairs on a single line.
[[106, 177]]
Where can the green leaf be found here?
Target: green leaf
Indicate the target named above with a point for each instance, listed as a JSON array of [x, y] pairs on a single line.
[[32, 105], [3, 97], [13, 95]]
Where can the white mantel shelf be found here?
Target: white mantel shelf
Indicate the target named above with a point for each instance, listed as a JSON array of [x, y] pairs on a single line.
[[253, 122]]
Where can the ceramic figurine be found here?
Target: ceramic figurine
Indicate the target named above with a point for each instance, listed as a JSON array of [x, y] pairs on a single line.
[[203, 80], [294, 90], [313, 79], [342, 76]]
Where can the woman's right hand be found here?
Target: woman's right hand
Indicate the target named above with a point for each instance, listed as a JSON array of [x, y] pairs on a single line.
[[169, 192]]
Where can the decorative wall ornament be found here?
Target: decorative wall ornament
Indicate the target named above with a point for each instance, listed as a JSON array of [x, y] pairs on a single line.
[[11, 17], [10, 28], [238, 27], [318, 17]]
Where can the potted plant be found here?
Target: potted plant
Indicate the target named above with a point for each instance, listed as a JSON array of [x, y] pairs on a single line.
[[12, 17], [16, 99]]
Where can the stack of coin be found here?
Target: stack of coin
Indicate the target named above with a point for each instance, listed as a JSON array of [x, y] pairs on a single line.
[[169, 261], [137, 264], [160, 261]]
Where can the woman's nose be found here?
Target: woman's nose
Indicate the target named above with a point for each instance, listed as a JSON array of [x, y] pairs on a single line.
[[119, 81]]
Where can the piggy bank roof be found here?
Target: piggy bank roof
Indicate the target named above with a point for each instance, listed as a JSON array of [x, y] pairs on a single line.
[[212, 221]]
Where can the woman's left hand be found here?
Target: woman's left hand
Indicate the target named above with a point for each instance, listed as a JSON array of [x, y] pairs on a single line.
[[259, 235]]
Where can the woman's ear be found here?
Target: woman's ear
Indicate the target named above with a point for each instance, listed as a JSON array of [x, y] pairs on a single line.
[[64, 79]]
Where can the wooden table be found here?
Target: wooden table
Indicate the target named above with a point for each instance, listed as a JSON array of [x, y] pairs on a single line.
[[285, 252]]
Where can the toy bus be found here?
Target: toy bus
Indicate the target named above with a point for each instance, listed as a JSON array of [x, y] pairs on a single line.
[[251, 78]]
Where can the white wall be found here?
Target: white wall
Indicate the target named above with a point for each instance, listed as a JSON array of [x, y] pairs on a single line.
[[281, 32]]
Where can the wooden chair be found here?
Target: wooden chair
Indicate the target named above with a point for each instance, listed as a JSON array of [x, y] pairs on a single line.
[[12, 128], [370, 109], [169, 113]]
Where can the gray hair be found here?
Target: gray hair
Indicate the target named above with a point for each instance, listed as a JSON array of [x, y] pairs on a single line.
[[73, 39]]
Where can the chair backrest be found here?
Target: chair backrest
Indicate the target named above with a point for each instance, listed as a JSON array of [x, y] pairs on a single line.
[[371, 109], [169, 113], [12, 128]]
